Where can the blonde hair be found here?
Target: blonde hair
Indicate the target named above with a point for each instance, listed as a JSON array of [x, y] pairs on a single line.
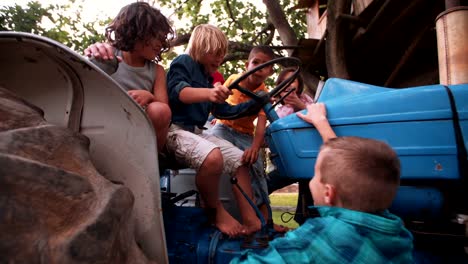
[[206, 39], [365, 172]]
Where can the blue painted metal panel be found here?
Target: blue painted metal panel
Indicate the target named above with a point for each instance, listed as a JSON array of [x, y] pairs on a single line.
[[377, 105], [335, 88], [191, 240], [416, 122], [418, 202], [460, 94], [427, 150]]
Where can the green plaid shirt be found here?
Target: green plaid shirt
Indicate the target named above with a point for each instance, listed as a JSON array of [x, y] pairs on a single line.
[[340, 236]]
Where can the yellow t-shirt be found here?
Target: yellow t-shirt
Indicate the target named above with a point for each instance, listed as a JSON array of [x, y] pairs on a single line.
[[245, 124]]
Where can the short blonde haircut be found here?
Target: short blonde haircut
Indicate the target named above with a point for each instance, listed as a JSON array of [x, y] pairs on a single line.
[[206, 39]]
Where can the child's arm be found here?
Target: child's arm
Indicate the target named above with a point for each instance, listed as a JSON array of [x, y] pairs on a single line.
[[103, 51], [218, 94], [181, 81], [295, 102], [142, 97], [160, 86], [251, 154], [317, 116]]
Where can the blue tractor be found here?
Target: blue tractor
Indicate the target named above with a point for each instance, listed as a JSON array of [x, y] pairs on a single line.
[[427, 125]]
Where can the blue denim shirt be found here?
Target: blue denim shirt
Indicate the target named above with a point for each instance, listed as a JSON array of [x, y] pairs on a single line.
[[185, 72]]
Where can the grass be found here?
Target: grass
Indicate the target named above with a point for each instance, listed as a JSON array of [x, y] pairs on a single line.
[[284, 199], [289, 222]]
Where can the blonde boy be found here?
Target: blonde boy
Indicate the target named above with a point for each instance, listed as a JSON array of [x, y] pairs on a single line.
[[192, 97]]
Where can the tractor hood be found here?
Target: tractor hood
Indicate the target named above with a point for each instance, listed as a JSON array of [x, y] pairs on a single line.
[[417, 122]]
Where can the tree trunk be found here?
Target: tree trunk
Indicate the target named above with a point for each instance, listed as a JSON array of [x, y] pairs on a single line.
[[289, 38], [336, 36], [278, 18]]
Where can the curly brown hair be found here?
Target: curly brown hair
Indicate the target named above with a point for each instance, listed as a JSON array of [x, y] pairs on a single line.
[[139, 22]]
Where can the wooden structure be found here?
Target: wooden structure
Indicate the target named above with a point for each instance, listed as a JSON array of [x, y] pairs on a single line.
[[380, 42]]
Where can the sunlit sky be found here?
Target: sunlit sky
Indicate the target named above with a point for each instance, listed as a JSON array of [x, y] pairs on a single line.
[[94, 10], [102, 8], [91, 8]]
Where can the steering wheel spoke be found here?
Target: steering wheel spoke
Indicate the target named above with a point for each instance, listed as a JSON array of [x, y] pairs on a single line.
[[262, 98], [246, 92], [282, 98]]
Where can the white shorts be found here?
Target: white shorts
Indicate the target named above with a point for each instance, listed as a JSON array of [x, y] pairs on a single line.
[[191, 149]]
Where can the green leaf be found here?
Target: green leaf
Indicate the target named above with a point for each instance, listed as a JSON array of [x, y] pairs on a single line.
[[65, 23]]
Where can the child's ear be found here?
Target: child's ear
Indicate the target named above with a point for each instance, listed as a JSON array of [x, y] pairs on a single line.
[[329, 195]]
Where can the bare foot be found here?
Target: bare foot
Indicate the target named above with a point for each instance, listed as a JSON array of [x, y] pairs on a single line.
[[280, 228], [252, 226], [227, 224]]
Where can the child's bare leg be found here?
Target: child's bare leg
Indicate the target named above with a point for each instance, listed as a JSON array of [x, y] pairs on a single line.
[[160, 115], [264, 210], [278, 228], [207, 181], [249, 218]]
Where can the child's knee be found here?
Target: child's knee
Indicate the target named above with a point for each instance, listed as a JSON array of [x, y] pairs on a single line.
[[160, 112], [242, 171], [214, 160]]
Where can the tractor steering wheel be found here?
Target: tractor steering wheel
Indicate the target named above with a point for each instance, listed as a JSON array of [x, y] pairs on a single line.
[[261, 98], [277, 90]]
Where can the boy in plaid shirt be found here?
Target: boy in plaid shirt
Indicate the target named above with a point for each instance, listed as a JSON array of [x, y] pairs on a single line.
[[355, 181]]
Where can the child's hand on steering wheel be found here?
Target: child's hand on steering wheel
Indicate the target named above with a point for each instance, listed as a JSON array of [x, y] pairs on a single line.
[[219, 93]]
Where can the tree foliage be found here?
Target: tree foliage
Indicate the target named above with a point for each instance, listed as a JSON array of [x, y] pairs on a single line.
[[62, 23], [245, 23]]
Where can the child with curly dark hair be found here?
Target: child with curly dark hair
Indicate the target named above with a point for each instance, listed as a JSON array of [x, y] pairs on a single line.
[[137, 37]]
